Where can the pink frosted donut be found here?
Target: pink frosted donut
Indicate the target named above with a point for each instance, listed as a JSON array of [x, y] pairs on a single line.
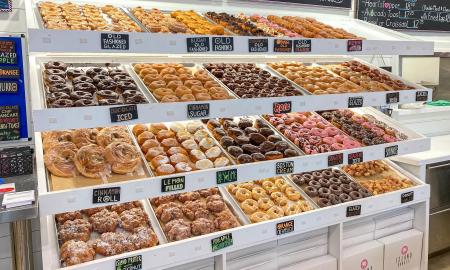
[[309, 124], [368, 125], [301, 118], [304, 132], [332, 131], [337, 146], [389, 138], [296, 126], [314, 140], [291, 135], [349, 144], [316, 131], [329, 140], [340, 138], [378, 131], [310, 149], [324, 134], [358, 119]]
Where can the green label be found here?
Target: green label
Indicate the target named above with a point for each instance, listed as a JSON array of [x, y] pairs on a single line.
[[222, 242], [130, 263], [227, 176]]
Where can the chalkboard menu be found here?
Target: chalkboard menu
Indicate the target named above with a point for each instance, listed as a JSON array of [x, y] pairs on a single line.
[[327, 3], [13, 114], [406, 14]]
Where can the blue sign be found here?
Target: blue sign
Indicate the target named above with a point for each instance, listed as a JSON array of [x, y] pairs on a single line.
[[5, 5], [13, 110]]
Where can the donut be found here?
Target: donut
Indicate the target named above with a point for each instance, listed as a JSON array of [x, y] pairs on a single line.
[[84, 103], [62, 103], [82, 79], [85, 87], [335, 181], [346, 188], [275, 212], [355, 195], [249, 206], [91, 162], [56, 65], [329, 140], [324, 192], [309, 124], [80, 95], [324, 182], [258, 193], [259, 217], [315, 184], [311, 191], [336, 190], [279, 198], [112, 134], [337, 147], [323, 202], [334, 199], [59, 159], [107, 85], [60, 87], [92, 72], [243, 194], [345, 197], [265, 203], [292, 209], [54, 79], [269, 187], [349, 144], [292, 194], [123, 157], [364, 192]]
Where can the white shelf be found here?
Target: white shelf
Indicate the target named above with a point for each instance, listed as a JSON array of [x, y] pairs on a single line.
[[52, 202], [99, 116], [377, 40]]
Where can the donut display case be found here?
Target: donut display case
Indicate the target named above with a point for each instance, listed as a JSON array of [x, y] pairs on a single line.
[[172, 132]]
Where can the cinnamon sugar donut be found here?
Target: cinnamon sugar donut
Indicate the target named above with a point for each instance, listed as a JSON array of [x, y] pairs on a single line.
[[123, 157], [90, 161]]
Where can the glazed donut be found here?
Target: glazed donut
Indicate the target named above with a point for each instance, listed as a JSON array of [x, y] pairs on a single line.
[[269, 187], [147, 71], [311, 191], [355, 195], [291, 209], [243, 194], [90, 161], [112, 134], [59, 159], [123, 157], [249, 206], [279, 198], [259, 217], [292, 194], [258, 193], [275, 212], [265, 203], [232, 188], [279, 182], [248, 185]]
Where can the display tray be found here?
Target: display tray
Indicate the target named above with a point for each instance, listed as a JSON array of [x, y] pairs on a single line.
[[227, 216], [92, 84], [289, 206], [78, 180]]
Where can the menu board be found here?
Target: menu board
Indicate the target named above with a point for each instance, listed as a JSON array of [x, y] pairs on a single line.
[[406, 14], [327, 3], [13, 114]]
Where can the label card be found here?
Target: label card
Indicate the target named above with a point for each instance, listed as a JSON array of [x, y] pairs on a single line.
[[111, 41], [334, 160], [282, 107], [285, 227], [221, 242], [284, 167], [9, 87], [130, 263], [392, 98], [227, 176], [354, 210], [173, 184], [198, 110], [123, 113], [354, 158], [106, 195], [197, 44], [354, 45], [407, 197], [355, 102], [223, 44], [391, 151], [282, 45], [9, 123], [9, 73], [421, 95], [8, 53], [302, 45], [258, 45]]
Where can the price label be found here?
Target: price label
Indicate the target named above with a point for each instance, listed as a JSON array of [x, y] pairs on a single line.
[[421, 95], [392, 98], [285, 227], [111, 41], [355, 102], [227, 176], [106, 195], [223, 44], [336, 159], [198, 110], [302, 45], [173, 184], [9, 73], [282, 45], [407, 197], [123, 113], [197, 44], [9, 87], [258, 45], [391, 151], [221, 242], [130, 263], [284, 167], [354, 210], [282, 107], [354, 45], [355, 158]]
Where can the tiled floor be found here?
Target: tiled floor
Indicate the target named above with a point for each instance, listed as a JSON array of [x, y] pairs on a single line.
[[441, 262]]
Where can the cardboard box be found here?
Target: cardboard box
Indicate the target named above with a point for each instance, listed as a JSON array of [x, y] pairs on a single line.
[[403, 251], [357, 240], [367, 256], [326, 262], [394, 217], [400, 227]]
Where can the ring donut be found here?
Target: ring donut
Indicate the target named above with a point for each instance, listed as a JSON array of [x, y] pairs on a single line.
[[249, 206]]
